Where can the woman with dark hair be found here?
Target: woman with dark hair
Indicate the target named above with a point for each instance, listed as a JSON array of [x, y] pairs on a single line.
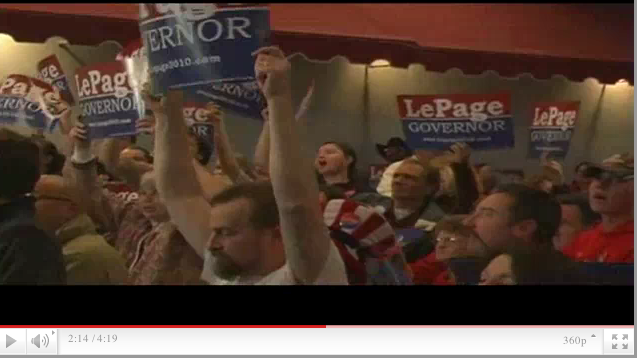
[[51, 160], [531, 268], [336, 165]]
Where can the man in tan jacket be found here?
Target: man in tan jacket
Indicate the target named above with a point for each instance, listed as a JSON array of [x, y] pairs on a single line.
[[88, 258]]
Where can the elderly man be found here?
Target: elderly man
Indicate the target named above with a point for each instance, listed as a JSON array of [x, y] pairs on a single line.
[[611, 195], [413, 187], [154, 251], [88, 258]]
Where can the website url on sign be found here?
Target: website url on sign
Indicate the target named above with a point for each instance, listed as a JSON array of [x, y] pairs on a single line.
[[184, 62]]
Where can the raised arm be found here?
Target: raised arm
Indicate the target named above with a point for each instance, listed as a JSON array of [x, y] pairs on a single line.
[[228, 161], [85, 180], [177, 181], [305, 104], [305, 237], [262, 150], [466, 185], [109, 152]]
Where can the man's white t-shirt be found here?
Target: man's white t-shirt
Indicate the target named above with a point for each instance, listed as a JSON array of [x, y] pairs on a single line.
[[333, 274]]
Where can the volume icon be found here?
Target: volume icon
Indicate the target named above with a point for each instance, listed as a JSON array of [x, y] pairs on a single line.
[[45, 340]]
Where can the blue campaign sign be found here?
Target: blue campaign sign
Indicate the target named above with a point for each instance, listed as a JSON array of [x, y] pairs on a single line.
[[108, 104], [552, 128], [436, 122], [30, 102], [242, 97], [198, 44]]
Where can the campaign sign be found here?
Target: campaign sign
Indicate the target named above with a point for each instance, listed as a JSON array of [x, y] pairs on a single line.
[[436, 122], [195, 44], [242, 97], [50, 71], [30, 102], [108, 104], [552, 128], [198, 120]]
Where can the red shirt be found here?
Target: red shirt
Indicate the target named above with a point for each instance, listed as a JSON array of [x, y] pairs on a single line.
[[427, 270], [445, 279], [594, 245]]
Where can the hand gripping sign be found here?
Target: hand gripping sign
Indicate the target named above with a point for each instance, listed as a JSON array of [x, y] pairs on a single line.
[[108, 103], [552, 128], [198, 120], [196, 44], [31, 102], [436, 122], [50, 71]]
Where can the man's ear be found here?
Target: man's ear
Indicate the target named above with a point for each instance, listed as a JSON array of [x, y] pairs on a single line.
[[525, 229]]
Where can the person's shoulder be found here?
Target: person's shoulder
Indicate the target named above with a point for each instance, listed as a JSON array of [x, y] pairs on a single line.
[[91, 254], [24, 231], [581, 241], [433, 212], [90, 247]]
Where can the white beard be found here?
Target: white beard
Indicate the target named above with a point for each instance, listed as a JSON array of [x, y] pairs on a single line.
[[207, 273]]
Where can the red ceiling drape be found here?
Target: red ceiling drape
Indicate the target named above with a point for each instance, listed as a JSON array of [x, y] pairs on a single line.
[[575, 40]]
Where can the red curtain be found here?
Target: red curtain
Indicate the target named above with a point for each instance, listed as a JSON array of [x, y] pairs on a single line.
[[574, 40]]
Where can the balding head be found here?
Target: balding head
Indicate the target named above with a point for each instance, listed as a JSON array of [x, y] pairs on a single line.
[[55, 186], [56, 203]]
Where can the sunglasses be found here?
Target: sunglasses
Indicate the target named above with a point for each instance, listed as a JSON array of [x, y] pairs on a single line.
[[607, 175]]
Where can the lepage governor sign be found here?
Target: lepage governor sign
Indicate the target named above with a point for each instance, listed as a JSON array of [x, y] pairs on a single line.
[[437, 121]]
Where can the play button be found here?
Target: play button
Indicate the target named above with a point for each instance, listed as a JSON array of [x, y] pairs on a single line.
[[10, 341]]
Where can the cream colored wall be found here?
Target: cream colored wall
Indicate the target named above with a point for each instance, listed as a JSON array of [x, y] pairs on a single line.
[[605, 125]]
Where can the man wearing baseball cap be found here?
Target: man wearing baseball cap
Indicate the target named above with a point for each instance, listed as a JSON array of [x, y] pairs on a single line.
[[611, 195]]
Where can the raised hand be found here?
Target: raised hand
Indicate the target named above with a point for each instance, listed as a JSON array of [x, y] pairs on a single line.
[[305, 103], [172, 102], [155, 104], [272, 71], [215, 113], [146, 124], [65, 122], [544, 157], [460, 152], [79, 136], [425, 156]]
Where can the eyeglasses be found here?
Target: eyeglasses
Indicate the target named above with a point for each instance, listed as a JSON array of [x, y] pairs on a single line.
[[449, 239]]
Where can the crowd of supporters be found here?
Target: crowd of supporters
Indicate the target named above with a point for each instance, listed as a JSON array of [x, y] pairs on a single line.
[[113, 212]]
